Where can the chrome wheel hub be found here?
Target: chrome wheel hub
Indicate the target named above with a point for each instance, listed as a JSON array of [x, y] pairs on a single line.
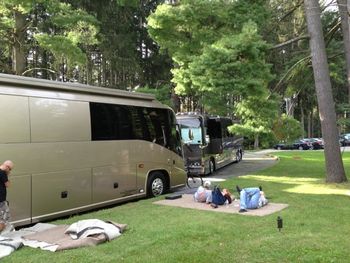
[[157, 187]]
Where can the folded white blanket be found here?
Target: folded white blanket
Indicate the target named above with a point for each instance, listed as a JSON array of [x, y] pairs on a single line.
[[89, 227]]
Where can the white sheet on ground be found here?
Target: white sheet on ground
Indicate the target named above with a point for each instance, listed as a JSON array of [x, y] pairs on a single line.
[[8, 245], [52, 237], [90, 232], [12, 240]]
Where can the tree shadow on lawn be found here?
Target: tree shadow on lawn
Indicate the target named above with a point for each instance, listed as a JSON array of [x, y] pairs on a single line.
[[295, 173], [312, 204], [298, 185]]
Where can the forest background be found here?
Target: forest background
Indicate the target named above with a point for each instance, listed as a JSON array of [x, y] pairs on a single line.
[[248, 59]]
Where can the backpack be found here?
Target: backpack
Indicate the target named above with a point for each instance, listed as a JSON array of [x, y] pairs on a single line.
[[217, 196]]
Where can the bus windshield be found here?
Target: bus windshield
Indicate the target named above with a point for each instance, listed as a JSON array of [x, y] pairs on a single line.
[[191, 130]]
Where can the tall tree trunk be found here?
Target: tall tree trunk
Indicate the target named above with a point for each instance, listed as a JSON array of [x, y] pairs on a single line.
[[334, 163], [18, 53], [112, 78], [302, 119], [44, 64], [99, 68], [175, 101], [89, 68], [309, 125], [104, 71], [256, 142], [344, 16], [313, 125]]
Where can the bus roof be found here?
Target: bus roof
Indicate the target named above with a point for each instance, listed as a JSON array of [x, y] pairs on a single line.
[[14, 80], [197, 115]]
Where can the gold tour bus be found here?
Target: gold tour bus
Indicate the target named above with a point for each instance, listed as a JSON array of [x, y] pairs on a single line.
[[77, 147]]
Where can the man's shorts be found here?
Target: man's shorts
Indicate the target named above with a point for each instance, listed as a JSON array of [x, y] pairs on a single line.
[[4, 212]]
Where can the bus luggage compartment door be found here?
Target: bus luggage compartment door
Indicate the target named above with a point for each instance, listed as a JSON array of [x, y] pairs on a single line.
[[19, 197], [58, 191], [111, 182]]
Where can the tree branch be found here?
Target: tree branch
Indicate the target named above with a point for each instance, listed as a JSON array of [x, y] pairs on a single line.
[[284, 77], [329, 35], [291, 11], [31, 69], [290, 41]]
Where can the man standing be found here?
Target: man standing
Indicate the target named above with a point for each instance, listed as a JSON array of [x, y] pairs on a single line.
[[5, 170]]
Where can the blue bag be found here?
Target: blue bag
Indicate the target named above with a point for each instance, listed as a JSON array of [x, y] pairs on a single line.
[[217, 197]]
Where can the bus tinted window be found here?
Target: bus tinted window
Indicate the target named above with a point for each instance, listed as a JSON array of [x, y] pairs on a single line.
[[214, 129], [124, 122], [102, 125], [120, 122], [190, 123], [157, 125], [138, 124], [175, 139], [110, 122]]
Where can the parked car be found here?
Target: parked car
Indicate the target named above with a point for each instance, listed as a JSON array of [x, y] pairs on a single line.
[[344, 139], [316, 143], [303, 144], [283, 146], [297, 145]]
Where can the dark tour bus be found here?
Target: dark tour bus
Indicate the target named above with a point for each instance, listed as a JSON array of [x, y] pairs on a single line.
[[207, 143]]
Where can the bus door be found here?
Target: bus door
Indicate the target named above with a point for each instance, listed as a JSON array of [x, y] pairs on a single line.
[[215, 135], [228, 143]]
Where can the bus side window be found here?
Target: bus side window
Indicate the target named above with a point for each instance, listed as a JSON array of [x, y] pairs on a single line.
[[175, 134], [148, 125], [111, 122], [102, 127], [125, 127], [158, 120]]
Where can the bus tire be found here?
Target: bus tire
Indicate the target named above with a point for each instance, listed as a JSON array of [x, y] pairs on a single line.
[[238, 156], [211, 166], [156, 184]]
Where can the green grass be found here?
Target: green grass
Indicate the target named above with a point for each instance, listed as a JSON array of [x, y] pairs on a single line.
[[316, 224]]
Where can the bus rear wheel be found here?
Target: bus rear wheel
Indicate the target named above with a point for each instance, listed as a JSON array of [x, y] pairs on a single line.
[[156, 184]]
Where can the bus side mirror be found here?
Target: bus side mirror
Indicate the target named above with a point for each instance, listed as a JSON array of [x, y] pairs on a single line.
[[178, 133], [178, 137], [190, 134]]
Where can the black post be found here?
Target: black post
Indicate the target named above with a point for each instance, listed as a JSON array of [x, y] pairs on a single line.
[[279, 223]]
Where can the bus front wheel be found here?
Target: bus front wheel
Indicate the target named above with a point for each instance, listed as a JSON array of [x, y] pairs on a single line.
[[156, 184], [238, 156], [211, 166]]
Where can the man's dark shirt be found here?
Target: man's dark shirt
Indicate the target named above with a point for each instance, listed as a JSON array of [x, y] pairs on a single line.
[[3, 180]]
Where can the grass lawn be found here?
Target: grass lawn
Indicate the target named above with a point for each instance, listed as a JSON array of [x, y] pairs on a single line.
[[316, 224]]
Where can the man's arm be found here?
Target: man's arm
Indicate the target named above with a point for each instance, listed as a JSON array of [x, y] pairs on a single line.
[[4, 179]]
